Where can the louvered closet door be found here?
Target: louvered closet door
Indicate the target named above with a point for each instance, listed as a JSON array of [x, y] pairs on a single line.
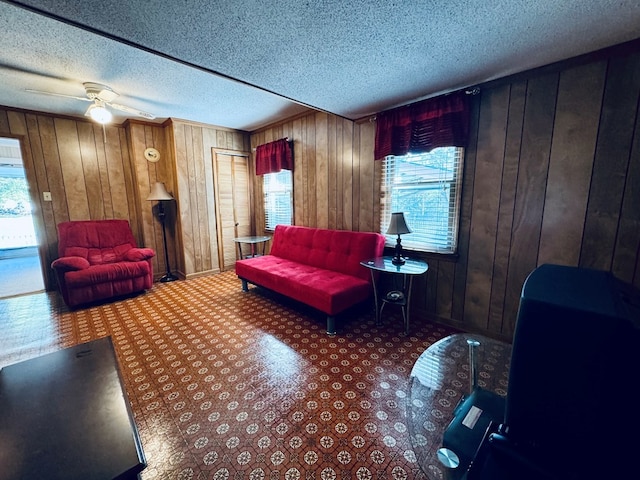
[[233, 203]]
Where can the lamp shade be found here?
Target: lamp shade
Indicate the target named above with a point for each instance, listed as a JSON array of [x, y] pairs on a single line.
[[158, 192], [398, 225]]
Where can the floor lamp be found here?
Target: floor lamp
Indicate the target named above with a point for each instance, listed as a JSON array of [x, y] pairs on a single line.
[[159, 193]]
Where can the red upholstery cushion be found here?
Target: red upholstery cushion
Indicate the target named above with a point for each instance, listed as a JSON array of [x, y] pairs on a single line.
[[70, 263], [137, 254], [99, 259], [318, 267], [328, 291], [111, 272], [94, 234], [99, 256], [336, 250]]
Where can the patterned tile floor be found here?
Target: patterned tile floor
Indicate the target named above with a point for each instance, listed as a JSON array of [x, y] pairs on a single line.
[[232, 385]]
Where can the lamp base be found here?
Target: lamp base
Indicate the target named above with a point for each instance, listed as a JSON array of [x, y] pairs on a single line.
[[397, 260], [169, 277], [397, 257]]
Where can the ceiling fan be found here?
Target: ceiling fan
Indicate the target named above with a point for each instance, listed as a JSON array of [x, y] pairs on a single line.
[[101, 96]]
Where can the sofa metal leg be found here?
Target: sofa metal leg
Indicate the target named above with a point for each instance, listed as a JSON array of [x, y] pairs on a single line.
[[245, 285], [331, 325]]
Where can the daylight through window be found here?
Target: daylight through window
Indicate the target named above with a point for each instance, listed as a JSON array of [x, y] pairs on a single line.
[[278, 199], [426, 187]]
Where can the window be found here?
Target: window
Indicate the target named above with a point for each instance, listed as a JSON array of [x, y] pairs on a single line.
[[278, 198], [426, 187]]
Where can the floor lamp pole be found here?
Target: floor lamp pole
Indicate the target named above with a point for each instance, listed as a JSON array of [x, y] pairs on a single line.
[[168, 277]]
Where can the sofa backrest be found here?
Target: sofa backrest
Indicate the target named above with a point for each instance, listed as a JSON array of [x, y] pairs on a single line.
[[337, 250], [97, 241]]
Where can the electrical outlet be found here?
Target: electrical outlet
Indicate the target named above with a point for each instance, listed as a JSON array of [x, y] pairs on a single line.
[[46, 196]]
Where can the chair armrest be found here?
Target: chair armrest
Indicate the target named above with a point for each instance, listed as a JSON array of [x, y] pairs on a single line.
[[67, 264], [138, 254]]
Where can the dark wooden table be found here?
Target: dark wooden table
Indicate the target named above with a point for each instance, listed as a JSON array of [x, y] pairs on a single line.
[[65, 415]]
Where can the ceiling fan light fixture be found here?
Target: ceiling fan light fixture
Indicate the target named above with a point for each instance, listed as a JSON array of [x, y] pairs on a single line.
[[97, 91], [99, 113]]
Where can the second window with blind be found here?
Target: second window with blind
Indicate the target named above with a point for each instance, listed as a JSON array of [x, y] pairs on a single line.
[[426, 187], [278, 199]]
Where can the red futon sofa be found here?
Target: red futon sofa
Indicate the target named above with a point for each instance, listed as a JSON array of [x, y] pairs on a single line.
[[99, 259], [318, 267]]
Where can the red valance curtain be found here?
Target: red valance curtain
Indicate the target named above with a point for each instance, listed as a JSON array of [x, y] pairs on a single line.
[[273, 157], [422, 126]]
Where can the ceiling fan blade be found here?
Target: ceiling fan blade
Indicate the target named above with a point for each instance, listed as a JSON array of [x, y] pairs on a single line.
[[28, 71], [53, 94], [134, 111]]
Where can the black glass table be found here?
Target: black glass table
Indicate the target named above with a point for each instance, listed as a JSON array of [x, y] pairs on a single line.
[[401, 294], [439, 379]]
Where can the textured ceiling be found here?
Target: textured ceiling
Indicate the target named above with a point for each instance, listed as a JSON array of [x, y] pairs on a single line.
[[247, 63]]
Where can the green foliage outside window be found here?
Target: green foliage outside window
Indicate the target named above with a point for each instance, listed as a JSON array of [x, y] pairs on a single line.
[[14, 197]]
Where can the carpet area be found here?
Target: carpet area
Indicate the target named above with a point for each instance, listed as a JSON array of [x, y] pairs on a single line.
[[226, 384]]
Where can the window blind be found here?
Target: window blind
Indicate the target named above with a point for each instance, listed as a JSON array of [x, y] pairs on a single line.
[[426, 187], [278, 195]]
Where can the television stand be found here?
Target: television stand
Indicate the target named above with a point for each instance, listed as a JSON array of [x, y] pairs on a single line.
[[65, 415]]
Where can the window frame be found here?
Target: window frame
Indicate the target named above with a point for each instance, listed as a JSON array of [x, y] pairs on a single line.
[[424, 238], [269, 193]]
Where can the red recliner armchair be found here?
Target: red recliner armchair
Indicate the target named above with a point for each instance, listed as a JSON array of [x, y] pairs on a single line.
[[99, 259]]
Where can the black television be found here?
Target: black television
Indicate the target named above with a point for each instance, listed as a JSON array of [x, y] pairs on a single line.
[[572, 399]]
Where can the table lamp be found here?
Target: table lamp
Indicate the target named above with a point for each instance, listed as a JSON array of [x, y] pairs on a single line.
[[398, 226], [159, 193]]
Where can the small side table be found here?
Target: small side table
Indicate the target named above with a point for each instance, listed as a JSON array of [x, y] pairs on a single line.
[[400, 296], [253, 241]]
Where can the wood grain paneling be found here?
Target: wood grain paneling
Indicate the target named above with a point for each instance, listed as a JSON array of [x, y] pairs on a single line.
[[329, 157], [321, 173], [233, 204], [223, 177], [464, 230], [138, 182], [571, 163], [485, 205], [89, 178], [369, 188], [615, 137], [552, 174], [528, 203], [508, 192], [195, 191], [345, 177], [626, 256]]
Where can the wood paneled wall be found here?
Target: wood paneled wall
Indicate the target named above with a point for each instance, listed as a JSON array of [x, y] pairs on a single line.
[[336, 184], [555, 175], [194, 184], [142, 136], [552, 175], [88, 177], [94, 174]]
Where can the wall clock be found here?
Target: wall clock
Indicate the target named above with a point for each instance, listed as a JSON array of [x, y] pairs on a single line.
[[151, 154]]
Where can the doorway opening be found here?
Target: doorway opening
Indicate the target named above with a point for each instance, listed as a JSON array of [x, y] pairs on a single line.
[[19, 256]]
